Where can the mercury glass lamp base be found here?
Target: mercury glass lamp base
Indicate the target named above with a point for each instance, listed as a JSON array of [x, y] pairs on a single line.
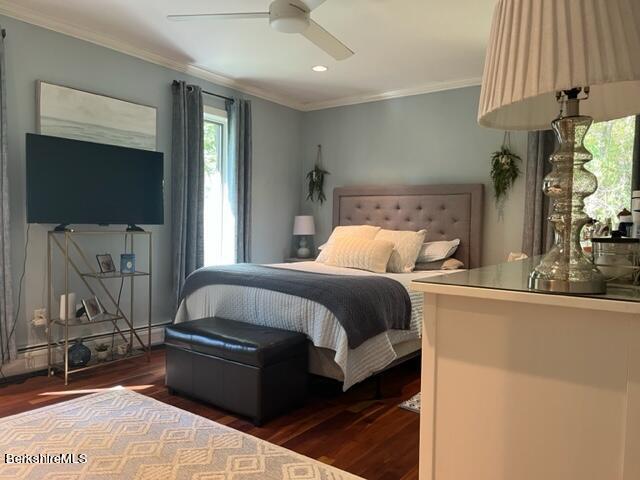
[[595, 286], [566, 268]]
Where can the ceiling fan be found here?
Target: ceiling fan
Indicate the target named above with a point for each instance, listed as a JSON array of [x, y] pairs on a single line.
[[287, 16]]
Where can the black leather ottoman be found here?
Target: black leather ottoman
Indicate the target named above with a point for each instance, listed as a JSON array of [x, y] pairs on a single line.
[[255, 371]]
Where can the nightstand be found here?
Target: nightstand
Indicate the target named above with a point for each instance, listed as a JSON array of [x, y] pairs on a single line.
[[296, 259]]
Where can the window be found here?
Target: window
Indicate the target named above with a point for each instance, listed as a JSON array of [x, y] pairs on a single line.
[[611, 144], [219, 222]]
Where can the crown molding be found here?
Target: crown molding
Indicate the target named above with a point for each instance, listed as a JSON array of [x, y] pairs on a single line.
[[13, 10], [391, 94], [33, 17]]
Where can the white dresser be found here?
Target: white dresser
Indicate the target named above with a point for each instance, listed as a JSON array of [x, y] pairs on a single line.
[[527, 386]]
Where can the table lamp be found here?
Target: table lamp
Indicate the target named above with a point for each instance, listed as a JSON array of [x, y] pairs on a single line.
[[550, 56], [302, 226]]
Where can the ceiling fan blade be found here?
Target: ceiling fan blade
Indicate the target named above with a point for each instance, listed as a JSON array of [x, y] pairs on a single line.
[[217, 16], [327, 42], [313, 4]]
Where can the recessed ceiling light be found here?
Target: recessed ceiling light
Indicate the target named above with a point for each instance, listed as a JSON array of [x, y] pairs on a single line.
[[319, 68]]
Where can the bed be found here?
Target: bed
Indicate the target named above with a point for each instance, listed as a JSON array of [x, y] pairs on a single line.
[[446, 211]]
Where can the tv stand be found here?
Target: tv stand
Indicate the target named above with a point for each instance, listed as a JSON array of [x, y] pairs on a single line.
[[134, 228], [69, 253]]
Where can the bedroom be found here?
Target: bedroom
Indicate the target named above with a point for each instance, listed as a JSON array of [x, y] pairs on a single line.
[[392, 121]]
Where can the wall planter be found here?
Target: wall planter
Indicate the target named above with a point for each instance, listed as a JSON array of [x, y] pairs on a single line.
[[505, 169], [315, 179]]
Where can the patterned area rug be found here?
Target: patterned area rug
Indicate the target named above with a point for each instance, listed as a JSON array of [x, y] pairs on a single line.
[[413, 404], [119, 434]]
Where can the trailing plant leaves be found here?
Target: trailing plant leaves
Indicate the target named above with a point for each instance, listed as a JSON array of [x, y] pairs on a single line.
[[315, 179], [504, 171]]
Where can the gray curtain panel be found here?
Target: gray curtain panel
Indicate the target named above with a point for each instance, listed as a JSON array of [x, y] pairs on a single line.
[[7, 319], [187, 182], [635, 179], [239, 166], [537, 233]]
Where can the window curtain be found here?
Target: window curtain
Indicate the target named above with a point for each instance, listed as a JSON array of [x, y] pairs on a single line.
[[635, 179], [238, 174], [537, 233], [187, 178], [7, 320]]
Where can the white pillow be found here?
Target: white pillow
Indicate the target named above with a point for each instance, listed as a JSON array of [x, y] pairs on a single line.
[[360, 231], [360, 253], [406, 246], [432, 251]]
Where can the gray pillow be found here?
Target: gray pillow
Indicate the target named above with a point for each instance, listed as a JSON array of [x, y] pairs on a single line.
[[447, 264], [438, 250]]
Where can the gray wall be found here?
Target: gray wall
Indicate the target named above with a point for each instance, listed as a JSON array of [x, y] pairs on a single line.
[[430, 138], [423, 139], [34, 53]]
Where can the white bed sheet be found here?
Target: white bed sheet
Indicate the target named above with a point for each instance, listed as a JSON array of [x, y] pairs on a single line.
[[279, 310]]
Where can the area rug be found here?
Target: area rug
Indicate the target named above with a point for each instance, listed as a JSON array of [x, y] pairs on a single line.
[[119, 434], [413, 404]]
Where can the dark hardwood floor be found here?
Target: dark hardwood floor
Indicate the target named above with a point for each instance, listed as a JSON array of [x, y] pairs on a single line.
[[371, 438]]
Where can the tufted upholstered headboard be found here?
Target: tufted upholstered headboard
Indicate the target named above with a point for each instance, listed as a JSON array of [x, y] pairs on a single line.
[[445, 211]]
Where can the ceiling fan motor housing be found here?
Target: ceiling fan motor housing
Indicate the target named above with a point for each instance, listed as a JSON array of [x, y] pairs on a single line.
[[289, 16]]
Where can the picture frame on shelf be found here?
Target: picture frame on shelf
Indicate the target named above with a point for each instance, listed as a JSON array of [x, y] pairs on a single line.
[[105, 262], [92, 308], [128, 263]]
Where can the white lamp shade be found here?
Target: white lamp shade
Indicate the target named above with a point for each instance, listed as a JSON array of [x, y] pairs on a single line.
[[539, 47], [303, 225]]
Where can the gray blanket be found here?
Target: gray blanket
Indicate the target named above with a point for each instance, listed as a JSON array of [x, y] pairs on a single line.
[[365, 306]]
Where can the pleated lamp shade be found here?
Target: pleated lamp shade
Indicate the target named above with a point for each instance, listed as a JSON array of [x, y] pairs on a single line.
[[539, 47]]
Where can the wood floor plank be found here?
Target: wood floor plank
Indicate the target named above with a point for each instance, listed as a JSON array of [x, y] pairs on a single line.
[[369, 437]]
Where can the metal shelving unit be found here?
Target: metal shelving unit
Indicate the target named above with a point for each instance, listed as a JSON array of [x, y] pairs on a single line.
[[76, 261]]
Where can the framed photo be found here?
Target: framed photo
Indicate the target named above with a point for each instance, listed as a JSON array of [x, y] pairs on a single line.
[[80, 115], [128, 263], [105, 262], [92, 307]]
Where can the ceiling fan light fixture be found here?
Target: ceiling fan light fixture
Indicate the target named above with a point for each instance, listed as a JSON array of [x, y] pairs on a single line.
[[289, 25], [288, 16], [320, 68]]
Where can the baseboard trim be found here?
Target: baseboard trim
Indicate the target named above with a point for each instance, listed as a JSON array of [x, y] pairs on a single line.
[[32, 360]]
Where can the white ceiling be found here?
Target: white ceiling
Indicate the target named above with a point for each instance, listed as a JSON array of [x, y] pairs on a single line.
[[402, 47]]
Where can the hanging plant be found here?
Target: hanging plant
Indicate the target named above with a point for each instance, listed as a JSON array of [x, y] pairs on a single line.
[[315, 178], [504, 169]]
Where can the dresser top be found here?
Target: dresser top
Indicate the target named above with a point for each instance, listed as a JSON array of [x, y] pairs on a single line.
[[510, 281]]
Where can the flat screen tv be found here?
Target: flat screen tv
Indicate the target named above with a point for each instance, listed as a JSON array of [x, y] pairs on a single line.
[[75, 182]]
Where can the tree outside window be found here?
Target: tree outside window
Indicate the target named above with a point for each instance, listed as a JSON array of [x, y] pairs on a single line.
[[219, 221], [611, 144]]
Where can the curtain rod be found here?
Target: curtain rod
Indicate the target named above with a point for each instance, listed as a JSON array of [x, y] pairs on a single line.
[[218, 95], [175, 82]]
